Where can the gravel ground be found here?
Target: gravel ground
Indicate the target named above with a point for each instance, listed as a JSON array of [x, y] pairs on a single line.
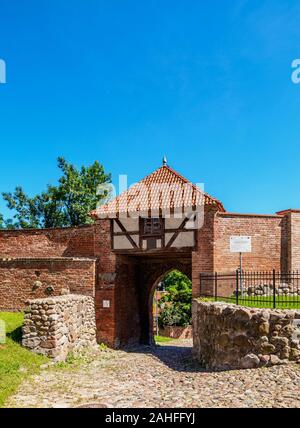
[[164, 376]]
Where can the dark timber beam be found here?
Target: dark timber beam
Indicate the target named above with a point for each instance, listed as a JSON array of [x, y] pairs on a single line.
[[126, 233]]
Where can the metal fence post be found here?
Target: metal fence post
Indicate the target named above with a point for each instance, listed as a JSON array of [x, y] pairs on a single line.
[[274, 289], [237, 287]]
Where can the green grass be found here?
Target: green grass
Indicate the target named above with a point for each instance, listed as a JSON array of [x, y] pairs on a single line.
[[282, 302], [16, 363], [162, 339]]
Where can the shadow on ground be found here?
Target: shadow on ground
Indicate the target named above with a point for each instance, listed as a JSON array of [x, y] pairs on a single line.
[[16, 335], [178, 358]]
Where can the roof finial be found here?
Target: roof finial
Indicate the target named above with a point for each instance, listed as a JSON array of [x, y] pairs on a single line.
[[165, 162]]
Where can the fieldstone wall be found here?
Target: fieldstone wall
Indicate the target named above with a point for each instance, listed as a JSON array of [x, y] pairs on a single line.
[[281, 289], [234, 337], [58, 325]]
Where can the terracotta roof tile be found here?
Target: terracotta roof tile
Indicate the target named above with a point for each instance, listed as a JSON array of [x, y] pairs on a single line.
[[164, 189]]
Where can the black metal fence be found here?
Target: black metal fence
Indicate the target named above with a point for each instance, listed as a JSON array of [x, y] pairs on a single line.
[[255, 289]]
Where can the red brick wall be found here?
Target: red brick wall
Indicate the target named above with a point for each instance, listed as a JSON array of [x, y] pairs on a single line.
[[294, 242], [17, 279], [203, 258], [66, 242], [267, 242], [127, 301], [106, 284]]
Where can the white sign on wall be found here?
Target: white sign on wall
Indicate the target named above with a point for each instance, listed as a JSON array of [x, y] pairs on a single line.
[[240, 244], [106, 303]]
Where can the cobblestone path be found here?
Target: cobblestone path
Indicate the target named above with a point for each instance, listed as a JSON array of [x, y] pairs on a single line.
[[163, 376]]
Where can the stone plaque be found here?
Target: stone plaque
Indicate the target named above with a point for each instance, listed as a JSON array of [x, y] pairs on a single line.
[[106, 303]]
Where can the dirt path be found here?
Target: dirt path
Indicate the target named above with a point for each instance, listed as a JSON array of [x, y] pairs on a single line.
[[158, 377]]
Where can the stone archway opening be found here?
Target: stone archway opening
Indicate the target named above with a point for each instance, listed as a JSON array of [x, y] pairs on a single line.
[[170, 306], [134, 284], [151, 272]]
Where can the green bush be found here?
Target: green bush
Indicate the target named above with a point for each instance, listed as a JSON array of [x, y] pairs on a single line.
[[176, 306]]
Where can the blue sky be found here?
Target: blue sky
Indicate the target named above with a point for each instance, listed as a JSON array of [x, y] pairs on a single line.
[[207, 83]]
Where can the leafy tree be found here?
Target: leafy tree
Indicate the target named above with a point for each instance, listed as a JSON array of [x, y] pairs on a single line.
[[176, 305], [67, 204], [5, 224]]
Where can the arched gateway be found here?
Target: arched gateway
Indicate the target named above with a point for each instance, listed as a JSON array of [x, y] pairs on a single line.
[[162, 223]]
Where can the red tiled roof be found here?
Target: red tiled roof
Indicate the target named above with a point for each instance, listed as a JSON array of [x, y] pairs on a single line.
[[164, 189]]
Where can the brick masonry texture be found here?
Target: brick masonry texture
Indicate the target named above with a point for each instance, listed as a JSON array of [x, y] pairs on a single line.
[[59, 325], [233, 337], [24, 279], [65, 242], [267, 242]]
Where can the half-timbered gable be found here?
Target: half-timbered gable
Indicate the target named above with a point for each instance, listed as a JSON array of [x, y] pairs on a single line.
[[161, 212]]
